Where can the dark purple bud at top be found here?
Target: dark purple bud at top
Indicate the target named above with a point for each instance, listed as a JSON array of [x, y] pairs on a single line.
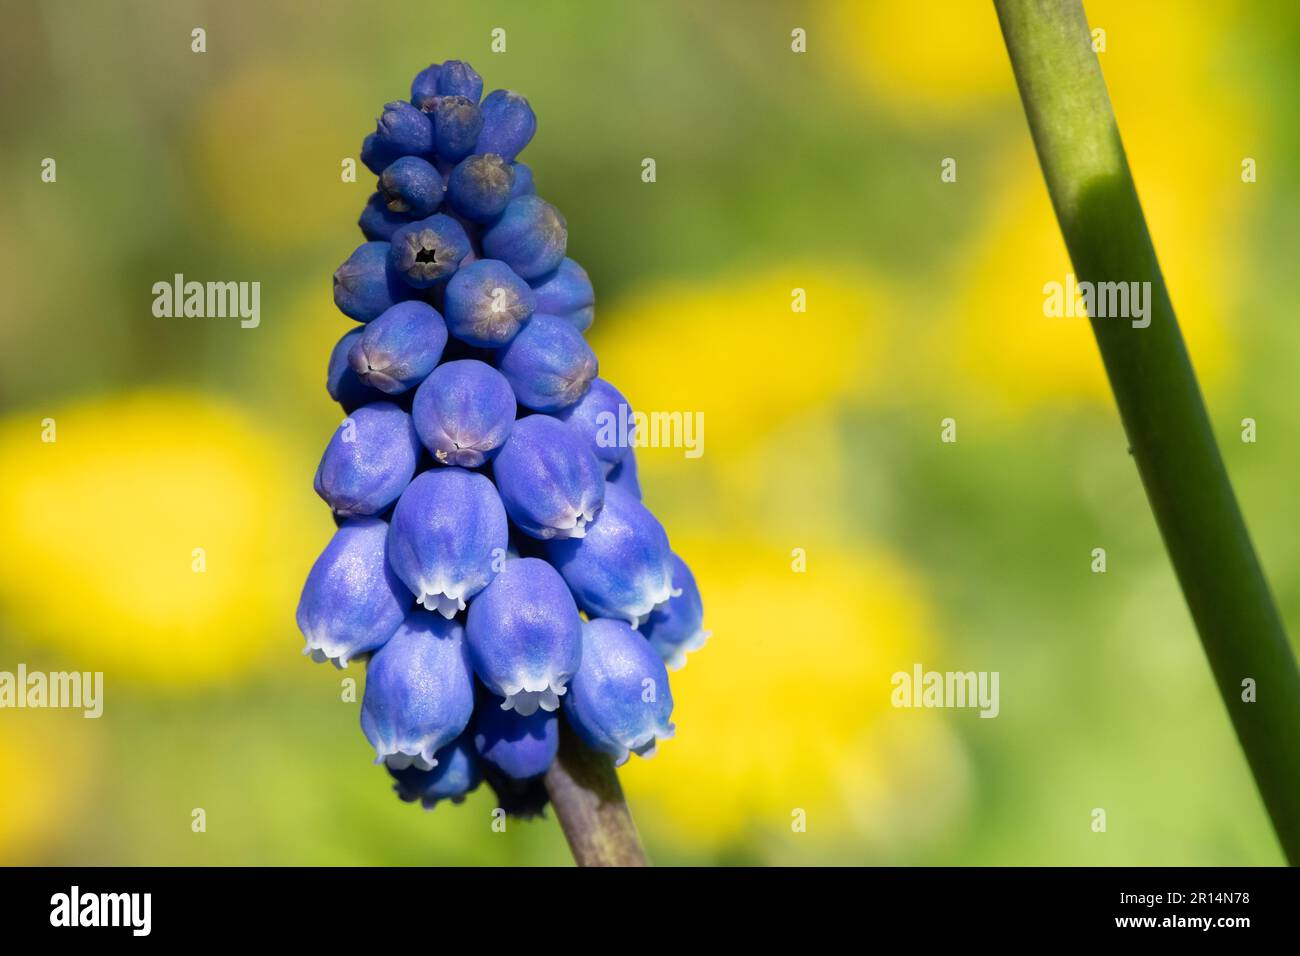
[[567, 292], [604, 420], [377, 153], [479, 187], [352, 601], [622, 567], [548, 364], [508, 124], [366, 284], [429, 251], [369, 461], [425, 86], [458, 78], [404, 130], [377, 223], [530, 237], [549, 481], [487, 304], [419, 692], [464, 412], [455, 774], [342, 383], [523, 181], [624, 476], [398, 350], [525, 636], [411, 186], [620, 701], [456, 125], [518, 746]]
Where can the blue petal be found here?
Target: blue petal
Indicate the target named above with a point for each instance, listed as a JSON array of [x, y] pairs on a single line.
[[464, 412], [419, 692], [369, 460], [455, 774], [678, 626], [352, 601], [518, 746], [622, 567], [619, 701], [551, 484], [448, 537], [604, 420], [548, 364], [524, 635]]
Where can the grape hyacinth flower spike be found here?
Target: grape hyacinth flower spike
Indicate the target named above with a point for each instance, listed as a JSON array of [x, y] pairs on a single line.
[[484, 490]]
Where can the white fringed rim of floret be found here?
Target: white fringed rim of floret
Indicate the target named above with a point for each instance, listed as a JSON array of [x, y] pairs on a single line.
[[656, 597], [324, 648], [674, 654], [645, 744], [447, 598], [533, 694]]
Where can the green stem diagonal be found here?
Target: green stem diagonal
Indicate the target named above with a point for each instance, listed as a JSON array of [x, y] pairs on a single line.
[[1159, 401]]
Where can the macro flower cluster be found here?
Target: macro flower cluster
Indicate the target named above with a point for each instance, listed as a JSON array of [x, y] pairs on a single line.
[[493, 562]]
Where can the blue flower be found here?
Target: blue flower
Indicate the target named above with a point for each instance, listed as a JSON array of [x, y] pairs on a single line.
[[622, 567], [464, 412], [550, 483], [419, 692], [426, 252], [525, 636], [486, 304], [619, 701], [678, 626], [352, 601], [455, 774], [448, 537], [604, 420], [548, 364], [530, 237], [369, 461], [518, 746], [398, 350], [567, 293], [366, 285], [508, 124]]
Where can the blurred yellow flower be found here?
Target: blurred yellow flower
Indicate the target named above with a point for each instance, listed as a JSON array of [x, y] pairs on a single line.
[[734, 349], [926, 61], [157, 538], [787, 707], [46, 766], [1185, 140]]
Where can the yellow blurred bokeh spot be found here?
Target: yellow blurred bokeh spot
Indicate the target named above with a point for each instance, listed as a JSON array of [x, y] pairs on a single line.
[[735, 349], [786, 709], [152, 538], [47, 766], [926, 62]]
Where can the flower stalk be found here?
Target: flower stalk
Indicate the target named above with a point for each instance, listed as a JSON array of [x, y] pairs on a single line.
[[1160, 403], [588, 801]]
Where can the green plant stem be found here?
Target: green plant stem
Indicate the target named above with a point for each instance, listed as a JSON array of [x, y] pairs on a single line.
[[588, 800], [1096, 203]]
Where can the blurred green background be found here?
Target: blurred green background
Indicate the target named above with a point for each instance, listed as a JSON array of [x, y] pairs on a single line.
[[775, 170]]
